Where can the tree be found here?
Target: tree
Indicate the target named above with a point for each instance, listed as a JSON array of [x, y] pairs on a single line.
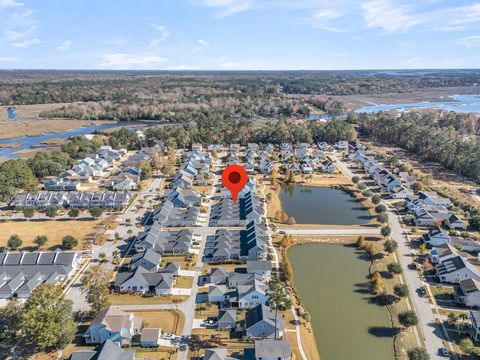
[[40, 240], [366, 193], [380, 208], [394, 268], [278, 297], [377, 282], [466, 345], [355, 179], [28, 212], [361, 186], [47, 320], [382, 218], [386, 231], [284, 217], [102, 256], [95, 287], [74, 213], [286, 241], [10, 317], [69, 242], [278, 215], [96, 212], [390, 246], [408, 318], [51, 211], [292, 220], [286, 273], [14, 242], [401, 290], [361, 242], [475, 222], [376, 199], [146, 169], [418, 186], [418, 354]]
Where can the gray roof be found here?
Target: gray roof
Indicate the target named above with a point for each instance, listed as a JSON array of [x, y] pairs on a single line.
[[272, 349], [215, 354]]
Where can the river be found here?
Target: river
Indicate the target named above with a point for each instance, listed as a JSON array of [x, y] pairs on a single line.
[[29, 142], [333, 285]]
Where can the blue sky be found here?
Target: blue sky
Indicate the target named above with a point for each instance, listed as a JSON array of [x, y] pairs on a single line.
[[239, 34]]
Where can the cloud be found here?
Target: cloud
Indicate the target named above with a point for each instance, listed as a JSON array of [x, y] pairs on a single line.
[[130, 61], [163, 35], [470, 41], [8, 59], [389, 16], [203, 44], [64, 46], [228, 7], [10, 3], [26, 43]]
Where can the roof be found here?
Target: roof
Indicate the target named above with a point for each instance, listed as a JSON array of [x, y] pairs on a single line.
[[272, 349], [227, 315], [259, 265], [113, 319], [150, 334], [215, 354], [470, 285], [110, 351]]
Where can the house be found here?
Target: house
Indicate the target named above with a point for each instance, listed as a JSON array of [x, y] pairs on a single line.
[[22, 272], [266, 167], [328, 167], [475, 319], [150, 337], [441, 253], [400, 192], [260, 267], [307, 168], [164, 241], [147, 259], [166, 214], [455, 223], [269, 147], [294, 167], [217, 293], [468, 293], [323, 146], [432, 198], [143, 281], [217, 354], [217, 276], [183, 198], [341, 145], [436, 236], [260, 323], [227, 319], [107, 351], [197, 147], [422, 217], [272, 350], [57, 184], [114, 325], [456, 269], [252, 295]]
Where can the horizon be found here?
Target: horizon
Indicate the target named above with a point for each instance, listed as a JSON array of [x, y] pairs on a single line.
[[244, 35]]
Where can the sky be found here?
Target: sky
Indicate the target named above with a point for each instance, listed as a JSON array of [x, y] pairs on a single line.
[[239, 34]]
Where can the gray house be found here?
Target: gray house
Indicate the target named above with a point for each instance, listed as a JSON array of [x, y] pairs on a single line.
[[272, 350], [260, 323], [227, 319]]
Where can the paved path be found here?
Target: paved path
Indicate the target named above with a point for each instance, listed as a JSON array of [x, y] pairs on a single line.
[[432, 333], [362, 231]]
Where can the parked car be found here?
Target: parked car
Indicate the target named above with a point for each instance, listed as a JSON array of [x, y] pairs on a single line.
[[412, 266], [421, 291], [210, 323], [169, 336], [443, 352]]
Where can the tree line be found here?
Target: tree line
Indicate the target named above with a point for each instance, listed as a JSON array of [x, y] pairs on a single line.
[[439, 136]]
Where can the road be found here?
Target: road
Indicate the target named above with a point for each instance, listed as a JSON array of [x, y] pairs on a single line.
[[432, 332], [359, 231]]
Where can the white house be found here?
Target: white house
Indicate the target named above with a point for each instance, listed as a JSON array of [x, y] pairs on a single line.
[[468, 293], [436, 236], [456, 269]]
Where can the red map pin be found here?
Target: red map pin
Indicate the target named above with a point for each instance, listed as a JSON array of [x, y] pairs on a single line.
[[234, 178]]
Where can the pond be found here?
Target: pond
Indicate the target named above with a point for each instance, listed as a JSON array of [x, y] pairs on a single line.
[[457, 103], [333, 285], [321, 205]]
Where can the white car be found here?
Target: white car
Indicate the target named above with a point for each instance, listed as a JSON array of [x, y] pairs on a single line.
[[169, 336]]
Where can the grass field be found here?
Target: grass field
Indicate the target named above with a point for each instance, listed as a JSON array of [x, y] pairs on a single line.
[[171, 321], [127, 299], [55, 230], [184, 282]]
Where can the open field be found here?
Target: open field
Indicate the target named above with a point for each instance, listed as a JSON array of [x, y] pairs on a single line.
[[354, 102], [19, 128], [184, 282], [55, 230], [29, 111], [168, 320], [133, 299]]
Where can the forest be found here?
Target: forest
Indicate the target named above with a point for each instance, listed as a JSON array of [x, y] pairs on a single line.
[[444, 137]]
